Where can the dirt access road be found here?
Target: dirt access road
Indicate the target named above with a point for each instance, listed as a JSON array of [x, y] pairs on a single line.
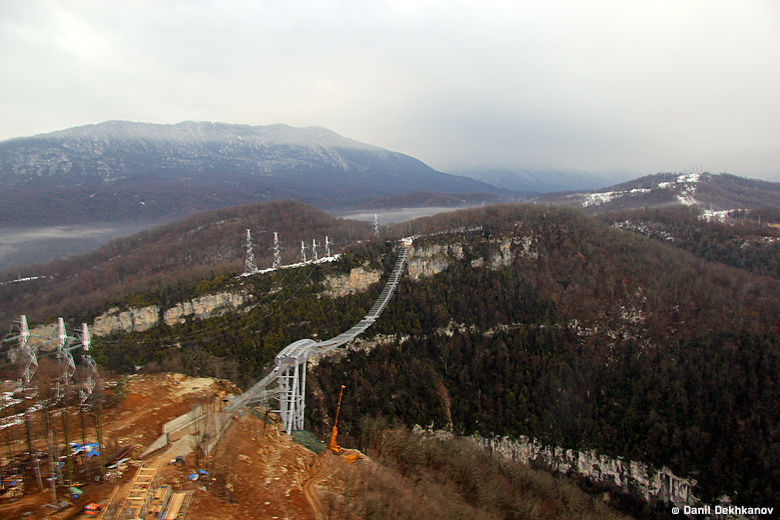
[[264, 469]]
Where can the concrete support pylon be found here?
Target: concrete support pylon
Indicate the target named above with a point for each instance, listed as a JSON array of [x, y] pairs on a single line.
[[292, 400]]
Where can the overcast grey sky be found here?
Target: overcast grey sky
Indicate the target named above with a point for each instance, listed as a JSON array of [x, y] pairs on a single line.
[[643, 85]]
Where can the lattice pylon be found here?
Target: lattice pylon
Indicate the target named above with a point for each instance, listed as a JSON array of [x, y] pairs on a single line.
[[328, 242], [90, 367], [249, 266], [29, 359], [68, 365]]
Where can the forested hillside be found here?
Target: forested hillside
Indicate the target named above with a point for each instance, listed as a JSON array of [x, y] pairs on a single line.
[[747, 239], [607, 340], [168, 263], [718, 192], [538, 321]]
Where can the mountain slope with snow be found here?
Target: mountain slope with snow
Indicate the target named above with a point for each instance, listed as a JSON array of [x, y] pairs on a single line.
[[716, 192], [121, 170]]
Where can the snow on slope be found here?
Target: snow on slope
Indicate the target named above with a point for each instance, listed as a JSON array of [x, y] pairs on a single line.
[[207, 132], [685, 185]]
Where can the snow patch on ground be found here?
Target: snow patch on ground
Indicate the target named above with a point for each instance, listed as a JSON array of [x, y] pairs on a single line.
[[597, 199], [684, 184]]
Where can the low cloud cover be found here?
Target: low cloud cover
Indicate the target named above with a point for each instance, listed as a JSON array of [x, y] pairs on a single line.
[[642, 86]]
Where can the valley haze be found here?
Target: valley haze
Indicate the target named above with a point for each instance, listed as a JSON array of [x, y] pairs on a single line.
[[123, 176]]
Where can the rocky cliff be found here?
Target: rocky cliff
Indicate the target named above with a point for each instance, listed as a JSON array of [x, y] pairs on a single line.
[[629, 476], [358, 280], [204, 307], [136, 319], [428, 260], [44, 337]]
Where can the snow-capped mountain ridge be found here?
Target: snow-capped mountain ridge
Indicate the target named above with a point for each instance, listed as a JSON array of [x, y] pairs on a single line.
[[712, 192], [192, 166], [205, 131], [117, 149]]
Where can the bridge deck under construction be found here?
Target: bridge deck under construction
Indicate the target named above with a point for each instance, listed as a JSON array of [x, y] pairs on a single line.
[[289, 372]]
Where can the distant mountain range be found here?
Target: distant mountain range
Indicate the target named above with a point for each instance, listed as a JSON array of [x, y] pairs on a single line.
[[140, 171], [530, 182], [88, 184], [716, 192]]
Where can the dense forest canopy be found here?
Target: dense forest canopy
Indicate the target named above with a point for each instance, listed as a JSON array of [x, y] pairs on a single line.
[[607, 340], [747, 239], [580, 334]]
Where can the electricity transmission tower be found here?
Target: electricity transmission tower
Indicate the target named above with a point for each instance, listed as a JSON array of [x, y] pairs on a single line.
[[328, 243], [26, 352], [68, 365], [29, 365], [249, 266], [90, 367]]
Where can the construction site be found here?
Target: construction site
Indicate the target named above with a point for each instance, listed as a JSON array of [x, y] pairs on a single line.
[[172, 452], [172, 438]]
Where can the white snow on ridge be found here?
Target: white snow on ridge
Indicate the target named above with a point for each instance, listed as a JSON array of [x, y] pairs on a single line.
[[191, 132], [719, 216], [689, 177], [686, 200], [597, 199], [685, 185]]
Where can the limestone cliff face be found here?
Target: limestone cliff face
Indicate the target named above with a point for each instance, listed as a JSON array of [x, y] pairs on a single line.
[[358, 280], [142, 318], [424, 261], [429, 260], [135, 319], [654, 485], [510, 247], [204, 307]]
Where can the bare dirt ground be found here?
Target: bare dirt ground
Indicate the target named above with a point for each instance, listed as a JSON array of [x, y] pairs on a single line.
[[255, 472]]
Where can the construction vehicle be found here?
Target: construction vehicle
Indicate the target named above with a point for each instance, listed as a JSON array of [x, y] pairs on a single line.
[[333, 446], [92, 509]]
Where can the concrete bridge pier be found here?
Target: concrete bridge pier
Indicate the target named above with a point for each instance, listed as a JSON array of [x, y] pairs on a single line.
[[292, 399]]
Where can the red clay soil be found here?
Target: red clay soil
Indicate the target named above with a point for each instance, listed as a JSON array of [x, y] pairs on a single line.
[[256, 472]]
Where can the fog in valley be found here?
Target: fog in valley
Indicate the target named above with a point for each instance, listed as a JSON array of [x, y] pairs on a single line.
[[21, 246]]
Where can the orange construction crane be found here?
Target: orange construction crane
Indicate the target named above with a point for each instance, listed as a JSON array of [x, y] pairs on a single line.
[[333, 446]]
